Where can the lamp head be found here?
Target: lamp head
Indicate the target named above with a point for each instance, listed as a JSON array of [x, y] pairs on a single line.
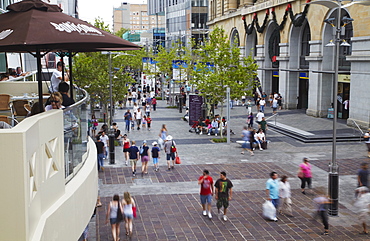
[[346, 20], [330, 44], [330, 21], [345, 43]]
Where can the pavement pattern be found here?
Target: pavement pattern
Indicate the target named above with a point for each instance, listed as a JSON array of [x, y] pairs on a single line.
[[168, 201]]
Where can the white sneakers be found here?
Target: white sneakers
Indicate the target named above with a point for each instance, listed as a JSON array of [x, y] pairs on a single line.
[[215, 134], [261, 149], [205, 214], [225, 218]]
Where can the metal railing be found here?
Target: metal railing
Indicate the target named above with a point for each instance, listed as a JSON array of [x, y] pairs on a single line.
[[274, 115], [75, 134], [358, 127], [31, 76]]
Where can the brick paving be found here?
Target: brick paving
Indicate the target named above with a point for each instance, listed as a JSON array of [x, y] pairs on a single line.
[[186, 173], [178, 217], [347, 166], [169, 214]]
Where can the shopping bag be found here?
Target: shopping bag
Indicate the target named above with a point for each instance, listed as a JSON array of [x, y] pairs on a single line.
[[134, 211], [268, 210], [177, 160]]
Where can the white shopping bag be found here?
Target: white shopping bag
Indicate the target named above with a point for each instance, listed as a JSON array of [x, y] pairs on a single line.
[[268, 210]]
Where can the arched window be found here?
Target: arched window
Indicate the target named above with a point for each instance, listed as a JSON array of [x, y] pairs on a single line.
[[234, 38], [305, 47], [274, 48]]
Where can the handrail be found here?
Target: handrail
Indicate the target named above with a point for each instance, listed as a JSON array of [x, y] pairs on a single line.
[[274, 115], [358, 127], [23, 78]]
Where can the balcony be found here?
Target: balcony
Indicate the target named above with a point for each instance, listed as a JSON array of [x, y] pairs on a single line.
[[49, 177]]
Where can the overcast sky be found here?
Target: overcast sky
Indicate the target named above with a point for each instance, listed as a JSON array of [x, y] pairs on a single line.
[[91, 9]]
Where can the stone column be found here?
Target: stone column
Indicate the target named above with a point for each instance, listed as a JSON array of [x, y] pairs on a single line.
[[359, 108], [288, 81], [320, 85]]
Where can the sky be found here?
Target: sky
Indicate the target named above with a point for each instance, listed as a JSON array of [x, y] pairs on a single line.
[[91, 9]]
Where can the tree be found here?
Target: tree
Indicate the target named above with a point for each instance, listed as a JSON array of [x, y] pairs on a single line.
[[164, 60], [218, 65], [92, 72], [120, 32]]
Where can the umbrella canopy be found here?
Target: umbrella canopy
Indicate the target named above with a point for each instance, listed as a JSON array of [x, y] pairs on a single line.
[[33, 25]]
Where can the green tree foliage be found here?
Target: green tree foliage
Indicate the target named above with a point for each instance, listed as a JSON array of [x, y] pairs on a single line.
[[218, 65], [120, 32], [164, 60], [92, 71]]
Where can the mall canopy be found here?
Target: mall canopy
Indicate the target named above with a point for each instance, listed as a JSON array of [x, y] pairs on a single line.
[[37, 27]]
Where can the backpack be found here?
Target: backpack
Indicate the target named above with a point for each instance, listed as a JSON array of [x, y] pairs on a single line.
[[141, 150], [173, 147]]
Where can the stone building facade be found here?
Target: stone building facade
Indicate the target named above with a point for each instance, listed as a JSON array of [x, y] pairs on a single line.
[[288, 41]]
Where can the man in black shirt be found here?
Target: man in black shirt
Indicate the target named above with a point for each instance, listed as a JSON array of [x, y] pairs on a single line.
[[223, 193], [100, 150], [63, 89]]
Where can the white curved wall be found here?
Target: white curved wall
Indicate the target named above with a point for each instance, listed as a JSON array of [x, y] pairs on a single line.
[[36, 203]]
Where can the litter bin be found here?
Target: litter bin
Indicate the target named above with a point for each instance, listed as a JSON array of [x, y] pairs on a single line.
[[330, 113], [111, 147]]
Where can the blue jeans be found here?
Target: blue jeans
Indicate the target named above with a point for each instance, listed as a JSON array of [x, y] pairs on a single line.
[[275, 202], [100, 160], [262, 107], [128, 123], [210, 130]]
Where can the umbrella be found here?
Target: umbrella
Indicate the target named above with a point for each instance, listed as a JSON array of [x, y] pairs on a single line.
[[37, 27]]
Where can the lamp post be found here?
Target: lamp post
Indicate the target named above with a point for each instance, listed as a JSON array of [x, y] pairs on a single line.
[[335, 22]]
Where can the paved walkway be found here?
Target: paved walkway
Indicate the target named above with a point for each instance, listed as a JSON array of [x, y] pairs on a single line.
[[168, 201]]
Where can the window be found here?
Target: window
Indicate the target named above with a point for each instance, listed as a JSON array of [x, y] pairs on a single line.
[[305, 47]]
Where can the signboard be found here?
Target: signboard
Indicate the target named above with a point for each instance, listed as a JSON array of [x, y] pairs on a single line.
[[195, 108]]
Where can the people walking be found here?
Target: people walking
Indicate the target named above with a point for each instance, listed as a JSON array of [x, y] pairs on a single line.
[[128, 204], [162, 136], [126, 148], [305, 174], [285, 196], [134, 156], [206, 192], [114, 213], [171, 151], [100, 150], [155, 155], [148, 122], [127, 117], [250, 120], [262, 104], [367, 142], [94, 123], [154, 104], [272, 190], [363, 175], [138, 117], [105, 139], [246, 137], [362, 205], [322, 206], [223, 194], [145, 157]]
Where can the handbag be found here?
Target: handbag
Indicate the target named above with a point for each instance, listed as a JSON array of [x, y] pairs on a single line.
[[268, 210], [173, 148], [300, 174], [177, 160], [134, 211], [119, 213]]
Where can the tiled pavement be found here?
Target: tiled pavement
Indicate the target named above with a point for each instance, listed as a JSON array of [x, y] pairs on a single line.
[[168, 201], [178, 217]]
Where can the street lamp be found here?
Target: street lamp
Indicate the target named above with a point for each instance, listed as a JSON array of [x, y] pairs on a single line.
[[337, 42]]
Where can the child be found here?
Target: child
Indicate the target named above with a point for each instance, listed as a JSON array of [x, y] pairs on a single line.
[[155, 155], [148, 121], [132, 124], [144, 121]]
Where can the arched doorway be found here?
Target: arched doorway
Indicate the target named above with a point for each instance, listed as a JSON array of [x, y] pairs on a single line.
[[251, 43], [272, 51]]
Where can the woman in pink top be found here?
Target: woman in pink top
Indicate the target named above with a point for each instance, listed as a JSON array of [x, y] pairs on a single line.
[[305, 174]]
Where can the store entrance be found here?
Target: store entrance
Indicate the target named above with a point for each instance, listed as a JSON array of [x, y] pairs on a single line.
[[343, 100], [303, 93]]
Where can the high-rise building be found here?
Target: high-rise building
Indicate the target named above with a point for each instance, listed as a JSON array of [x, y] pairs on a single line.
[[134, 17]]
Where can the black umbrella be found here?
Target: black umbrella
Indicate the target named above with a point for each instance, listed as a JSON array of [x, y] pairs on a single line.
[[36, 27]]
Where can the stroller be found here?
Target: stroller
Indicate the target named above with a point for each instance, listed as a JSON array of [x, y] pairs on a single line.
[[194, 127]]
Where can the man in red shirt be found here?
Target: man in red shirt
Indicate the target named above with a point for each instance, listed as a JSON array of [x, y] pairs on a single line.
[[206, 192]]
